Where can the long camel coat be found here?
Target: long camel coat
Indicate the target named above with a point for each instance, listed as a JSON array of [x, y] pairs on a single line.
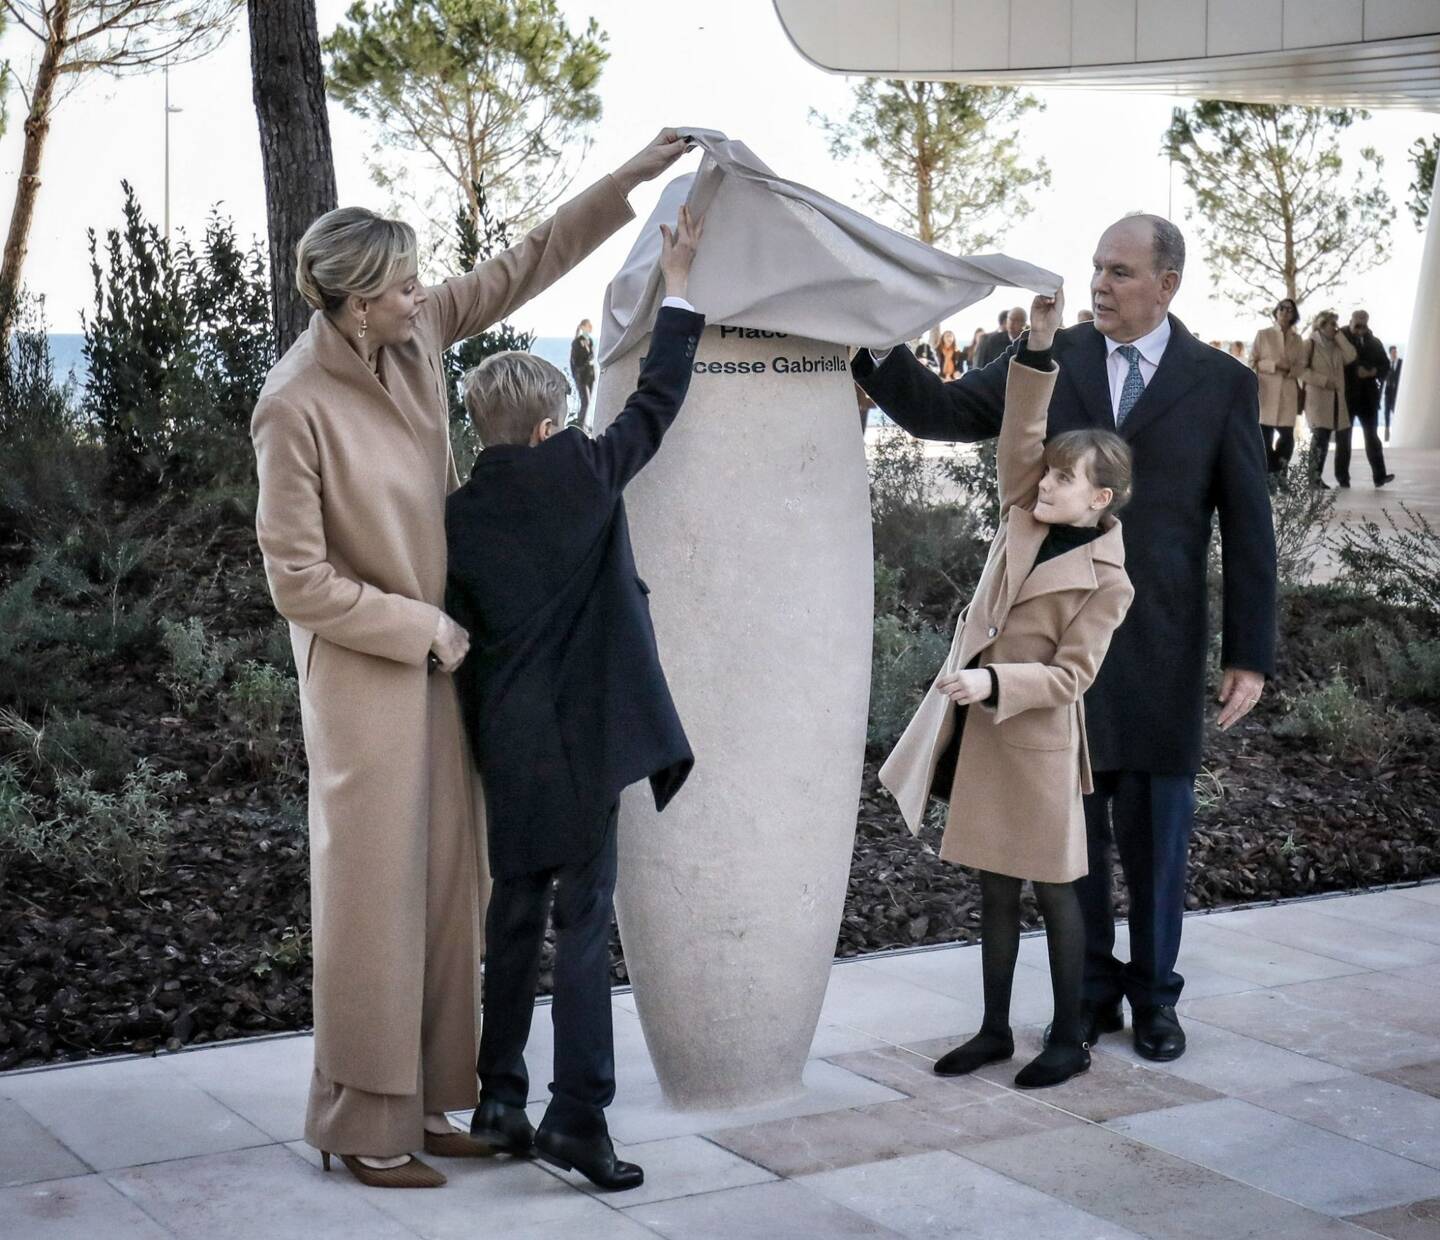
[[1015, 805], [1279, 388], [1324, 380], [354, 470]]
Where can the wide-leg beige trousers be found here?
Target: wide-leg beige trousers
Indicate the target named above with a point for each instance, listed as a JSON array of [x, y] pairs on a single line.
[[345, 1120]]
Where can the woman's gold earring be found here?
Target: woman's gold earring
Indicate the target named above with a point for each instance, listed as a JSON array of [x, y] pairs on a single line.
[[364, 323]]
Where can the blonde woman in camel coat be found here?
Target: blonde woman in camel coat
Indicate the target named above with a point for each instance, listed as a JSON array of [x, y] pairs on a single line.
[[1327, 353], [351, 437], [1053, 592]]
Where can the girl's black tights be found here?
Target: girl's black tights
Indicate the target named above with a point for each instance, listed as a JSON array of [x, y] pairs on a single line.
[[1000, 945]]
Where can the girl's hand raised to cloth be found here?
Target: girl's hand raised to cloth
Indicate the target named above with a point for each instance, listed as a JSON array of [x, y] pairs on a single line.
[[965, 688], [1046, 315], [677, 251], [663, 150]]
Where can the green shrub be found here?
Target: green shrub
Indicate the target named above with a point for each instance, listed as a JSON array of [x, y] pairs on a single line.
[[1342, 723], [71, 743], [107, 839], [977, 473], [1303, 514], [904, 662], [1398, 564], [1363, 652], [198, 661], [259, 702], [1415, 671]]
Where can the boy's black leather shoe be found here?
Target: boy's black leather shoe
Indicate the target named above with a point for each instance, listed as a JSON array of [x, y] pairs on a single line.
[[1095, 1019], [593, 1157], [505, 1128], [1158, 1034]]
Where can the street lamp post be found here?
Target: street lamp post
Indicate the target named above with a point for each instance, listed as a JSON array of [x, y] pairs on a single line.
[[168, 111]]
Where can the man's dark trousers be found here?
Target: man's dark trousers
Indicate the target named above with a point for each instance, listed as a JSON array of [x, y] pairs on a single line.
[[584, 1082], [1374, 453], [1147, 818]]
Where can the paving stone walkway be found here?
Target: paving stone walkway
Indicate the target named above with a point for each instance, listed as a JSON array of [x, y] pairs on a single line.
[[1308, 1107]]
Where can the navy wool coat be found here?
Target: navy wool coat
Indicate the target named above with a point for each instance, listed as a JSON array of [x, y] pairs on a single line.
[[563, 695], [1198, 453]]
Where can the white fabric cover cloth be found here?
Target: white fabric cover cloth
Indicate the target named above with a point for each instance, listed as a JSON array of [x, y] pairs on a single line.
[[778, 256]]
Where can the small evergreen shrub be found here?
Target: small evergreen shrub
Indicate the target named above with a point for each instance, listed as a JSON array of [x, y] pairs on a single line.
[[1415, 671], [198, 661], [1397, 564], [1341, 723], [904, 662], [260, 702]]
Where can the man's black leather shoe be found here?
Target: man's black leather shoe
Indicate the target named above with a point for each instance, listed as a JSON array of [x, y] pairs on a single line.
[[1158, 1034], [505, 1129], [1095, 1019], [1380, 482], [592, 1157]]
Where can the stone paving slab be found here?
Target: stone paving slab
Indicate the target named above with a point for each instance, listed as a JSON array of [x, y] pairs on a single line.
[[1307, 1108]]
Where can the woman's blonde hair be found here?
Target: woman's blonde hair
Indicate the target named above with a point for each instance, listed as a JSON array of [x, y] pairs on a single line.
[[351, 252], [509, 394]]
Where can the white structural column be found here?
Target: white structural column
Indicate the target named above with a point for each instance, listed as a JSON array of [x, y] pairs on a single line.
[[1417, 411]]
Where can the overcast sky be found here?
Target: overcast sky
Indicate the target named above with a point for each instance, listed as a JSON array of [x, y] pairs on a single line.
[[724, 66]]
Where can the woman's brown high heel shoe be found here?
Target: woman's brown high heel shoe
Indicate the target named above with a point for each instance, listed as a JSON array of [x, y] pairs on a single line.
[[412, 1174]]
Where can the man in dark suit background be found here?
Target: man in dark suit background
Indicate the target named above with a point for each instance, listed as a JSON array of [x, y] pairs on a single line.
[[566, 704], [1392, 387], [1012, 326], [1191, 416], [1363, 379]]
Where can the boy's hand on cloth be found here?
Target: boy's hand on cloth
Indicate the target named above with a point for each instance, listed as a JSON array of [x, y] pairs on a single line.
[[1046, 315], [651, 161], [965, 688], [450, 644], [677, 251]]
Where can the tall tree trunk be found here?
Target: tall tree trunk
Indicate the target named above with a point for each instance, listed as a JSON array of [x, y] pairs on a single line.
[[27, 188], [288, 82]]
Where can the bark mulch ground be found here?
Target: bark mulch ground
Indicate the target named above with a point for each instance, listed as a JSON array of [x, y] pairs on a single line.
[[219, 948]]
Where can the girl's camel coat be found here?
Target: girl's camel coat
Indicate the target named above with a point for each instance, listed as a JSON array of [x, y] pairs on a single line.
[[354, 471], [1015, 807]]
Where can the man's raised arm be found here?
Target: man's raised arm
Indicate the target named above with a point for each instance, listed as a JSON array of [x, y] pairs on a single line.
[[964, 410]]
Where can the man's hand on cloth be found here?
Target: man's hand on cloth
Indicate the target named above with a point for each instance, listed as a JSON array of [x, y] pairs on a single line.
[[677, 251], [1239, 691], [651, 161]]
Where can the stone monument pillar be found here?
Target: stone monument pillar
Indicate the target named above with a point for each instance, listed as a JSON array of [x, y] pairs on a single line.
[[752, 529], [1417, 406]]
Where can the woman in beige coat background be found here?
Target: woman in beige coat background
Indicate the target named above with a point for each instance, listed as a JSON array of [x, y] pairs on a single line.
[[351, 437], [1327, 353], [1277, 357], [1053, 592]]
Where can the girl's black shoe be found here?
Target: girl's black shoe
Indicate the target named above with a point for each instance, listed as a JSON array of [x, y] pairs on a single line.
[[1056, 1064], [983, 1048]]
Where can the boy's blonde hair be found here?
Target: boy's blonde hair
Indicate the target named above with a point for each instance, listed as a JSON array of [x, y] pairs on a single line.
[[509, 394], [1105, 456], [352, 251]]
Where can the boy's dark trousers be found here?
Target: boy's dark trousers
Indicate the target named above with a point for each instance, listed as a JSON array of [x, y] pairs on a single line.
[[584, 1082]]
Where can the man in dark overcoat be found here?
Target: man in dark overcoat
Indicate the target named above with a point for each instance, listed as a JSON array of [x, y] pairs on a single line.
[[1190, 414], [565, 704], [1364, 378]]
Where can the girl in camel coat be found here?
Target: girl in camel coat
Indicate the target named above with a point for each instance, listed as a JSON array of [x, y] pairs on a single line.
[[1053, 591], [351, 437]]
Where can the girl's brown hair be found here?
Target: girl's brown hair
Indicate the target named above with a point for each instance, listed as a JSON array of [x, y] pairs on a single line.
[[1104, 455]]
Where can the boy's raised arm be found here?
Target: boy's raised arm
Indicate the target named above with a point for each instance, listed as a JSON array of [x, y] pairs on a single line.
[[1020, 454]]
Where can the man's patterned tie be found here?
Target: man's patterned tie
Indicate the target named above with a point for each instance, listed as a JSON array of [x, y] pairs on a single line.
[[1134, 383]]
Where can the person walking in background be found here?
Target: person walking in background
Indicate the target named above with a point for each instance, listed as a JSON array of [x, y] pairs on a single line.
[[1277, 357], [1012, 324], [925, 354], [972, 353], [1363, 380], [1085, 316], [1392, 388], [582, 367], [1327, 352], [952, 361]]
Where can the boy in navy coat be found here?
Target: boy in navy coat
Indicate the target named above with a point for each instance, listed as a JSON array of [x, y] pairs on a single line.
[[565, 703]]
